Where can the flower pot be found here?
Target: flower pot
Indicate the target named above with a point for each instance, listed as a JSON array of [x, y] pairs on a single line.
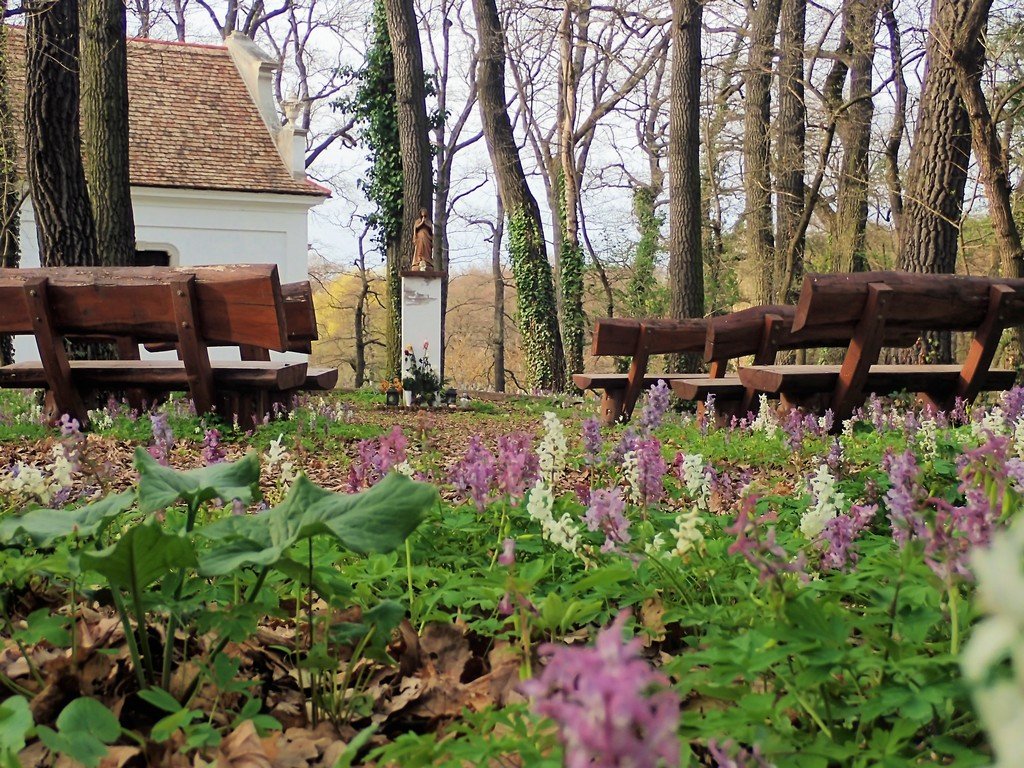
[[393, 397], [408, 398]]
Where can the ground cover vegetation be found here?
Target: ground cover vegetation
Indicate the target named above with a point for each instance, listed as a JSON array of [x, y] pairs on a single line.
[[511, 585]]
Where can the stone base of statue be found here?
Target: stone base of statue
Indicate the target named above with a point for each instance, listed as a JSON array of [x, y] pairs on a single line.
[[421, 315]]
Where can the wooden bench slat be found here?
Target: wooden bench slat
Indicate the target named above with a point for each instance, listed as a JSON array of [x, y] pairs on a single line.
[[321, 378], [699, 387], [620, 380], [160, 374], [881, 379]]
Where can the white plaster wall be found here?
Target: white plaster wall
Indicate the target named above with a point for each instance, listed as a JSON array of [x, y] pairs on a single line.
[[421, 318], [204, 227]]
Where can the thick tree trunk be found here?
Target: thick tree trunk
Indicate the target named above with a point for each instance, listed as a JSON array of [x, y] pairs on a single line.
[[104, 66], [899, 120], [757, 182], [854, 127], [939, 159], [413, 129], [498, 331], [53, 142], [792, 129], [10, 194], [538, 321], [686, 264]]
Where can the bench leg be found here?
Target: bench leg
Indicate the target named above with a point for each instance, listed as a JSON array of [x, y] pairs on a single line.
[[612, 401]]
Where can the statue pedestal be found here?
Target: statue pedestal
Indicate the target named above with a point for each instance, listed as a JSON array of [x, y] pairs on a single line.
[[421, 316]]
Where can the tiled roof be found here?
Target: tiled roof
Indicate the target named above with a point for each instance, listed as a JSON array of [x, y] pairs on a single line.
[[192, 123]]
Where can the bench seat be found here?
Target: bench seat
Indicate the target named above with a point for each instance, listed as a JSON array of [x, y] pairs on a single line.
[[168, 374], [700, 387], [610, 381], [881, 379]]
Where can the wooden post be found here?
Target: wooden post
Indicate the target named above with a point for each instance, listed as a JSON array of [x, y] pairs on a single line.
[[717, 368], [611, 405], [984, 344], [766, 354], [66, 398], [249, 352], [862, 353], [637, 374], [192, 347]]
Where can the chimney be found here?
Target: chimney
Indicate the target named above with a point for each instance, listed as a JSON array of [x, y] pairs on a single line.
[[257, 69]]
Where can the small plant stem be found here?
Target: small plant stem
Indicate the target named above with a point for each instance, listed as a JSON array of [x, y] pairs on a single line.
[[129, 636], [16, 689], [140, 625], [33, 670], [408, 579], [251, 597], [954, 620], [501, 535], [309, 618], [172, 619]]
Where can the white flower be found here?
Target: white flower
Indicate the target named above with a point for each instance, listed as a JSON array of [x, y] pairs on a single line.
[[563, 532], [404, 468], [631, 472], [656, 544], [828, 503], [927, 437], [552, 449], [278, 458], [100, 418], [1018, 437], [696, 480], [765, 419], [687, 533], [994, 421], [848, 428]]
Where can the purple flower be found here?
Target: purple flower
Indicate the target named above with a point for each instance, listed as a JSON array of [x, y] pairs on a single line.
[[612, 709], [474, 475], [517, 464], [657, 404], [1012, 404], [626, 443], [834, 458], [766, 555], [592, 441], [163, 437], [508, 552], [652, 468], [840, 534], [213, 451], [958, 416], [706, 415], [745, 758], [606, 513], [375, 458], [904, 495]]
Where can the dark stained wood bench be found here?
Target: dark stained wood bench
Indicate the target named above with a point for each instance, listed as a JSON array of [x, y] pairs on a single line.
[[191, 309], [871, 310], [300, 321], [763, 332]]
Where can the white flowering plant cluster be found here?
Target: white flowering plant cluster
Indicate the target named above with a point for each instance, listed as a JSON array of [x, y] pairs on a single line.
[[564, 531], [25, 483], [766, 420], [828, 503], [693, 471], [280, 466], [552, 449]]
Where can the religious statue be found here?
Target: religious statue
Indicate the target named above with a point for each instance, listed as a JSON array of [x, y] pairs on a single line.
[[423, 243]]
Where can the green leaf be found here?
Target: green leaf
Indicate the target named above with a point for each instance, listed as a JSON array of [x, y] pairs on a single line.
[[160, 486], [141, 556], [42, 527], [376, 520], [84, 729], [360, 740], [160, 699], [15, 725]]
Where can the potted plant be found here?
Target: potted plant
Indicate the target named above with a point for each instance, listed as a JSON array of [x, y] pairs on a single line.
[[408, 389], [420, 379], [392, 391]]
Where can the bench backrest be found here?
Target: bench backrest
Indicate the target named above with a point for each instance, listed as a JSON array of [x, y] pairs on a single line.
[[620, 336], [916, 302], [234, 305], [739, 334]]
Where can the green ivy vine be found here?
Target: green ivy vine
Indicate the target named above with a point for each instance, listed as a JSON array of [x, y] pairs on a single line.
[[571, 268]]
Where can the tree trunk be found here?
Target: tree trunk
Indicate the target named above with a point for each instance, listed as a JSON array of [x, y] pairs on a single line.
[[757, 182], [991, 155], [10, 195], [686, 264], [899, 120], [939, 159], [538, 321], [104, 66], [53, 142], [792, 122], [854, 130], [498, 332], [413, 129]]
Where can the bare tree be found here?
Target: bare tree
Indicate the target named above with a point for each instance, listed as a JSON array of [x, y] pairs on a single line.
[[790, 146]]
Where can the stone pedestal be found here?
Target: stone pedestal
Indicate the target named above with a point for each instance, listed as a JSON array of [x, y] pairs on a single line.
[[421, 315]]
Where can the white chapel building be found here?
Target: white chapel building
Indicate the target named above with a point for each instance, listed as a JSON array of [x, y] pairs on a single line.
[[216, 176]]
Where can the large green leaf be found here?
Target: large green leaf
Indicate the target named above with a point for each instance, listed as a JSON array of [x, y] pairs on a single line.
[[42, 527], [377, 520], [15, 726], [161, 486], [141, 556], [84, 729]]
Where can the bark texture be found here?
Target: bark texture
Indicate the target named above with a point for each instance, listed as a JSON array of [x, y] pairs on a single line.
[[790, 148], [939, 158], [686, 264], [537, 315], [10, 194], [53, 142], [104, 86], [757, 148], [413, 129]]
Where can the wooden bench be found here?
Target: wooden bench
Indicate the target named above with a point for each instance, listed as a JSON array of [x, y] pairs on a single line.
[[191, 309], [300, 321], [871, 310], [763, 332]]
